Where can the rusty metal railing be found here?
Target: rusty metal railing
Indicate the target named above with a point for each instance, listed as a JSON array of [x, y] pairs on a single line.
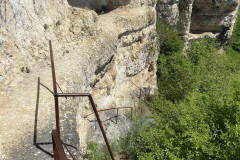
[[141, 95], [58, 150], [118, 108], [56, 134]]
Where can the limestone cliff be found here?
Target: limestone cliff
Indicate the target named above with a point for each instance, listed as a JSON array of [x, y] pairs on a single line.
[[99, 46], [199, 18]]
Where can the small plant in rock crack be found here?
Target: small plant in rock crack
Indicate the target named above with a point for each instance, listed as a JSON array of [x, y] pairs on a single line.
[[45, 26], [58, 23], [22, 69], [27, 70], [107, 124]]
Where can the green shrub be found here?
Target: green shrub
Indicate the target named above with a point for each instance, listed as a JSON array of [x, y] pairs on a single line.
[[236, 45], [168, 39], [200, 50], [176, 76], [130, 144], [174, 70], [235, 39], [200, 127], [196, 114], [96, 153], [197, 110]]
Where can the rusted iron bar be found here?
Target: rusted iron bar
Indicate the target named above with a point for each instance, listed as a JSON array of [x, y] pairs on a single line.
[[68, 151], [113, 108], [131, 113], [36, 113], [135, 85], [56, 95], [58, 150], [101, 110], [95, 111], [140, 95], [117, 117], [55, 89], [60, 88]]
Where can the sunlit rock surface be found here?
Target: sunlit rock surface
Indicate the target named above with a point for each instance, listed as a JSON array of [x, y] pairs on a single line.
[[99, 48], [197, 18]]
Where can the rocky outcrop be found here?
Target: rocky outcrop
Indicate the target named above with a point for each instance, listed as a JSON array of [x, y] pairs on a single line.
[[101, 53], [195, 18]]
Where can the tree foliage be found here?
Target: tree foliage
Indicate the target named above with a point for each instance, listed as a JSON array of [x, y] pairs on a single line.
[[235, 39], [197, 110]]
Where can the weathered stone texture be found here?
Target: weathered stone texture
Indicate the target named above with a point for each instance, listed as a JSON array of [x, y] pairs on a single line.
[[195, 18], [101, 54]]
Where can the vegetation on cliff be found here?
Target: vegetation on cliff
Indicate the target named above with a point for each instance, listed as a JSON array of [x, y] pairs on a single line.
[[196, 113], [197, 109]]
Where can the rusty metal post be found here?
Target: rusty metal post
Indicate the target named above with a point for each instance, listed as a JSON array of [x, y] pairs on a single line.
[[117, 117], [101, 126], [68, 150], [58, 150], [56, 95], [140, 97], [96, 114], [55, 89], [55, 153], [131, 113]]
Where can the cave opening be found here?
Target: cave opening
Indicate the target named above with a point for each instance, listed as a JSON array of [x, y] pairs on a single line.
[[100, 6]]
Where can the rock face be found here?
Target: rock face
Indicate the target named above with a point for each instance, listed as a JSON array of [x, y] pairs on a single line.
[[195, 18], [101, 54], [99, 5]]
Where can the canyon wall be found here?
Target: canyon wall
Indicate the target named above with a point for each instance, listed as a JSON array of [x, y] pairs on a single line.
[[198, 18], [100, 47]]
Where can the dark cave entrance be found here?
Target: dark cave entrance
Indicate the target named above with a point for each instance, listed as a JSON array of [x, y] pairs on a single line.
[[100, 6]]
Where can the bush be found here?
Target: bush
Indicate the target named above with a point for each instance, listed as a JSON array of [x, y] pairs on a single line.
[[197, 112], [174, 70], [236, 45], [200, 127], [96, 153], [168, 39], [176, 76], [130, 144], [235, 39], [200, 50]]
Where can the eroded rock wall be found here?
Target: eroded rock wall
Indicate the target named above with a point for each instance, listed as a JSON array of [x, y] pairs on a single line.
[[198, 18], [99, 54]]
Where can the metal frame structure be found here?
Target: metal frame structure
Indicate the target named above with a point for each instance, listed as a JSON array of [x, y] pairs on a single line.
[[118, 108], [57, 143], [141, 95]]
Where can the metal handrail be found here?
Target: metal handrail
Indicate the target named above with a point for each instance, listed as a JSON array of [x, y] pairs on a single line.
[[58, 150], [68, 150], [95, 111], [141, 94], [101, 110], [56, 95]]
